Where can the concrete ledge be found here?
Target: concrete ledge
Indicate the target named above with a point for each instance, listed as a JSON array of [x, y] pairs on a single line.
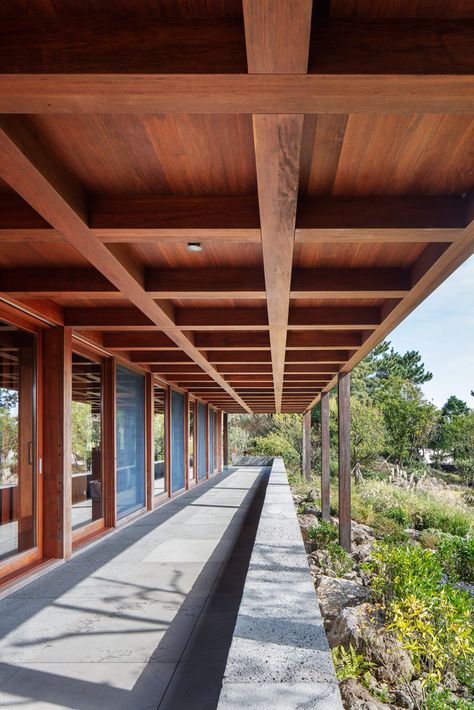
[[279, 656]]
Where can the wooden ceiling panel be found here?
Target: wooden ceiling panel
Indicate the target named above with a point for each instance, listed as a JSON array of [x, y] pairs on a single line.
[[392, 155], [205, 154], [162, 155], [185, 9], [222, 303], [40, 255], [375, 254], [213, 254], [107, 154], [402, 8], [335, 302]]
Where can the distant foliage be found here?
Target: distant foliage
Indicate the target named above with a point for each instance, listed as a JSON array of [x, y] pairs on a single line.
[[456, 555]]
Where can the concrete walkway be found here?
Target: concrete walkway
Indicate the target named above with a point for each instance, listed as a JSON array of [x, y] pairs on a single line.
[[142, 619]]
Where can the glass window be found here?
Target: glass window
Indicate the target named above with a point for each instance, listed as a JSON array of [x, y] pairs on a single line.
[[159, 436], [17, 441], [86, 434], [191, 441], [130, 441]]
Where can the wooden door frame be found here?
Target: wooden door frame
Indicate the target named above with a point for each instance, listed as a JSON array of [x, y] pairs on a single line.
[[18, 563]]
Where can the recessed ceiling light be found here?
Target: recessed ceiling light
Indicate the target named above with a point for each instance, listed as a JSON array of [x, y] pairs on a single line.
[[194, 246]]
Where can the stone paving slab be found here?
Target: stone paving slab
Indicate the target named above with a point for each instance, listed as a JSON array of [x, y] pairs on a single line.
[[109, 629]]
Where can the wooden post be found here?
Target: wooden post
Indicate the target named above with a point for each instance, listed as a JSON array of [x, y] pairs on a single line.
[[57, 447], [307, 445], [207, 441], [149, 442], [344, 422], [26, 457], [186, 440], [225, 437], [109, 444], [325, 479]]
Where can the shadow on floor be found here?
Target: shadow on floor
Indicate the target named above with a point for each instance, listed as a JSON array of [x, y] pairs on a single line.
[[197, 681], [203, 642]]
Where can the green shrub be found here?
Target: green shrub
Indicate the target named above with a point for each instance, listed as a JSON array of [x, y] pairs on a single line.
[[397, 537], [436, 629], [390, 529], [456, 555], [442, 518], [397, 571], [350, 664], [322, 534], [400, 515], [430, 538], [409, 508], [432, 620], [442, 699], [341, 561]]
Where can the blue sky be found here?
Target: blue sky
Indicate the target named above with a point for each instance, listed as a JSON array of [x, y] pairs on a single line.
[[442, 330]]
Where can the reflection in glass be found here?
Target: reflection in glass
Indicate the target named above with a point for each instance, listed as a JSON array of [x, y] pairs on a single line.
[[86, 416], [191, 441], [17, 441], [159, 424], [130, 441]]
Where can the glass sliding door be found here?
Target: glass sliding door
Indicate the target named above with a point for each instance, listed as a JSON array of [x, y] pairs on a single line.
[[130, 443], [201, 412], [178, 434], [211, 441], [86, 417], [18, 494], [160, 484], [192, 469]]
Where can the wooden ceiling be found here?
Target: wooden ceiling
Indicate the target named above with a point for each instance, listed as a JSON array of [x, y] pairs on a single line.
[[322, 154]]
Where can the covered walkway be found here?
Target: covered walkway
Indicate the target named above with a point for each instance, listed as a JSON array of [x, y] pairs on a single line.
[[143, 618]]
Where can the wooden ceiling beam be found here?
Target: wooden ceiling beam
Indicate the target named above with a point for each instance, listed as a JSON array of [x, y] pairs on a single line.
[[277, 36], [149, 218], [31, 172], [236, 93]]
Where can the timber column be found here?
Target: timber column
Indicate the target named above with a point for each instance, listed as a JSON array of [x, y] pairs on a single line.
[[344, 435], [57, 445], [325, 479], [307, 445]]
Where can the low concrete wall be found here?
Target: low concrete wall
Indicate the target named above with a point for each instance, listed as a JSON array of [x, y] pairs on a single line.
[[279, 658]]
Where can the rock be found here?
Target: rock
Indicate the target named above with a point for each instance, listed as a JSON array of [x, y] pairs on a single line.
[[362, 552], [403, 699], [356, 697], [451, 682], [335, 594], [360, 627], [414, 534], [352, 576], [346, 627], [361, 533]]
